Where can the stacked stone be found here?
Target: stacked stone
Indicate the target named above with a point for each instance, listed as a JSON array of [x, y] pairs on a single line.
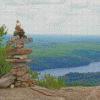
[[18, 35], [18, 76]]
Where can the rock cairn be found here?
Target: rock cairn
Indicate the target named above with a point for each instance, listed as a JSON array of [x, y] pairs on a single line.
[[18, 76]]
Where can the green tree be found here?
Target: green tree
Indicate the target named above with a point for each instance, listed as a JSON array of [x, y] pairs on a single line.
[[5, 67]]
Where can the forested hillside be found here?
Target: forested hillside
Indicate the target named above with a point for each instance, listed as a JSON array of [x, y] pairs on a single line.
[[50, 55], [89, 78]]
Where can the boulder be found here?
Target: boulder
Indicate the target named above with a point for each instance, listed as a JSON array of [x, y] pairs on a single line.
[[5, 82], [25, 77], [18, 56], [18, 60], [19, 51], [18, 84], [15, 37], [7, 75], [18, 65], [24, 40], [20, 71], [24, 84]]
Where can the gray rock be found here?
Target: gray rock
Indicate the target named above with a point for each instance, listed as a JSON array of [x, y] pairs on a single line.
[[19, 51], [18, 65], [20, 71], [24, 77], [5, 82], [7, 75], [24, 40]]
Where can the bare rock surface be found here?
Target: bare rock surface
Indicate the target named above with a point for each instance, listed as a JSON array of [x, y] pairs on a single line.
[[41, 93], [20, 51], [5, 82], [20, 71]]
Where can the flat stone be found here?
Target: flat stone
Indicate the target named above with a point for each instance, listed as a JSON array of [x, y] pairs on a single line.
[[18, 60], [15, 37], [20, 71], [24, 84], [18, 65], [24, 40], [25, 77], [18, 56], [19, 51], [5, 82]]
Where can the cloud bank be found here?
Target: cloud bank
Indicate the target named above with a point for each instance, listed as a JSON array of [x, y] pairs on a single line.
[[72, 17]]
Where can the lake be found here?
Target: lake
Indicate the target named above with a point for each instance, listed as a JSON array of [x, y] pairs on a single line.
[[92, 67]]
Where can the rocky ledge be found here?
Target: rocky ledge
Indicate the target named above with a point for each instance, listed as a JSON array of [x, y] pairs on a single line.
[[41, 93]]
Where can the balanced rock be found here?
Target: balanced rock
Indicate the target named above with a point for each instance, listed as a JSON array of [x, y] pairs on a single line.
[[18, 41], [24, 77], [18, 60], [5, 82], [18, 56], [17, 83], [19, 51], [24, 84], [20, 71], [15, 37], [18, 65]]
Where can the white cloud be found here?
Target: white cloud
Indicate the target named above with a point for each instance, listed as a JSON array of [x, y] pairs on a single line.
[[48, 1], [79, 4], [71, 17]]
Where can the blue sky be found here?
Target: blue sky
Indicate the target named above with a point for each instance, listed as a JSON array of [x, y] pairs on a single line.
[[70, 17]]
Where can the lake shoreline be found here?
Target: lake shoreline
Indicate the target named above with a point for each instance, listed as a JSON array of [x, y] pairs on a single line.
[[92, 67]]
